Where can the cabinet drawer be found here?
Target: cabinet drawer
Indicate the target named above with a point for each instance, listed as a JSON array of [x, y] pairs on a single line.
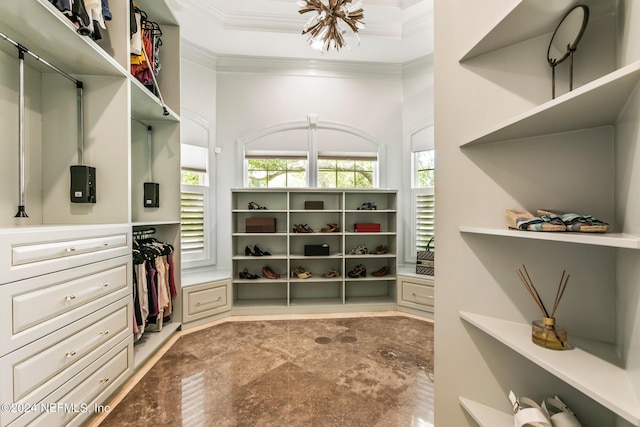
[[416, 293], [205, 300], [29, 252], [31, 308], [99, 381], [31, 373]]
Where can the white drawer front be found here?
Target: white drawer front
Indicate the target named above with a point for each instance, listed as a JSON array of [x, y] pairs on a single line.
[[34, 307], [101, 377], [32, 373], [30, 252], [44, 251], [40, 368], [208, 299], [417, 293]]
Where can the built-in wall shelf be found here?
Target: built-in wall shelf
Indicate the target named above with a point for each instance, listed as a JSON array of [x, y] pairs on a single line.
[[316, 293], [595, 104], [615, 240], [484, 415], [597, 373], [528, 19], [48, 31], [147, 106]]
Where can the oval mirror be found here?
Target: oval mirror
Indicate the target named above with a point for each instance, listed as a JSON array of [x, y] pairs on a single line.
[[564, 41], [567, 34]]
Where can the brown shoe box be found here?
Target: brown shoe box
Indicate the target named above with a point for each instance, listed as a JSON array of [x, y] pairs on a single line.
[[260, 225], [314, 204]]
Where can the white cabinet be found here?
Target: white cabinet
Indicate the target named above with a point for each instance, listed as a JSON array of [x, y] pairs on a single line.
[[204, 301], [58, 324], [416, 293], [323, 290], [66, 263], [540, 155]]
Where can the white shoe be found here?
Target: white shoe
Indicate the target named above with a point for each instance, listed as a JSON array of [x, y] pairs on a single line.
[[527, 413], [559, 414]]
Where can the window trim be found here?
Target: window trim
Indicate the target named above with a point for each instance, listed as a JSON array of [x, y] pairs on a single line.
[[312, 124]]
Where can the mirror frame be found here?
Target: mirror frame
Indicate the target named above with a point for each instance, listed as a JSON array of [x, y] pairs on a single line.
[[573, 46]]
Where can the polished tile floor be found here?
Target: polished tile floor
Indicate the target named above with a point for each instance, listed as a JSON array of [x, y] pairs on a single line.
[[347, 372]]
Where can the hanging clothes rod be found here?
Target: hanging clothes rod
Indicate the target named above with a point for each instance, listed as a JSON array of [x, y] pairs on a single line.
[[79, 86]]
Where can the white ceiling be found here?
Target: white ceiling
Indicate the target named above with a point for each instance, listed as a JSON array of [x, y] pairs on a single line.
[[397, 31]]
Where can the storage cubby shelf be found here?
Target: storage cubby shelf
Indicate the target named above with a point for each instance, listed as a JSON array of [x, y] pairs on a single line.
[[525, 20], [259, 234], [616, 240], [598, 376], [52, 36], [320, 294], [484, 415], [147, 106], [597, 103]]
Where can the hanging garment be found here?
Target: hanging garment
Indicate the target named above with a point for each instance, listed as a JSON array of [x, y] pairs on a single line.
[[136, 36], [106, 13]]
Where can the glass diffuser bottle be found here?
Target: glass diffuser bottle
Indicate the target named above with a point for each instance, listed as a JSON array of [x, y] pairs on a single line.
[[546, 333]]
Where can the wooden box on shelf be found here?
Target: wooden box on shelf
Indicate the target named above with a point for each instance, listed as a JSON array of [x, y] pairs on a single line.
[[314, 205], [260, 225], [366, 228]]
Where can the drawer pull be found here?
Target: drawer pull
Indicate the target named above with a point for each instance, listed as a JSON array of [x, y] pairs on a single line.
[[198, 303], [89, 344], [104, 380], [72, 249], [87, 292], [421, 296]]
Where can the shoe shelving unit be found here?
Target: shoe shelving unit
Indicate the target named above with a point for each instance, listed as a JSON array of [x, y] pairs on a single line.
[[599, 374], [88, 233], [316, 293]]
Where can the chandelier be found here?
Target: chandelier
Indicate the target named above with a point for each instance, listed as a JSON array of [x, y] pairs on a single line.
[[324, 26]]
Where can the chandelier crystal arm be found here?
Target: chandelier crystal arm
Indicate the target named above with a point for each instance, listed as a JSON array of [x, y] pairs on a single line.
[[324, 29]]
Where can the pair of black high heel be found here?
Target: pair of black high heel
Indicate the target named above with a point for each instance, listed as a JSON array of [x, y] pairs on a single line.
[[256, 251], [255, 206]]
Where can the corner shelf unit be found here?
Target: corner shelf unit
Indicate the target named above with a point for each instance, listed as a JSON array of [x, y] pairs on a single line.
[[597, 103], [605, 372], [316, 293], [591, 367]]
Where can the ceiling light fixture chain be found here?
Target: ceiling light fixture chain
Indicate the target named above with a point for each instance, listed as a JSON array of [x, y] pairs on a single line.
[[324, 26]]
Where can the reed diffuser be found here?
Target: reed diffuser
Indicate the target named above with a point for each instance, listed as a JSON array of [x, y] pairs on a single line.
[[546, 333]]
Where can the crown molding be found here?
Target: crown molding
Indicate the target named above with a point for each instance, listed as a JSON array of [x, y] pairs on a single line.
[[305, 67], [195, 53]]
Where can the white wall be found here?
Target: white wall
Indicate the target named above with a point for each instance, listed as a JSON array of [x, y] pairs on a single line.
[[417, 112], [253, 94]]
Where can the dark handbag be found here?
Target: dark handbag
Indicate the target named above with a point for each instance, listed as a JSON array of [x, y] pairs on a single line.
[[425, 263]]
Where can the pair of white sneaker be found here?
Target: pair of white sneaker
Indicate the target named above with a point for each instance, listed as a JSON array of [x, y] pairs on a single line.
[[552, 413]]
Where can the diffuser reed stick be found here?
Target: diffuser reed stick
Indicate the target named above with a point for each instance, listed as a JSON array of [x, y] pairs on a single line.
[[541, 330]]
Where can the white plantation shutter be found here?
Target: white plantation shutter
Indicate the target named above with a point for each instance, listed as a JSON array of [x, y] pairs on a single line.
[[425, 217], [192, 217]]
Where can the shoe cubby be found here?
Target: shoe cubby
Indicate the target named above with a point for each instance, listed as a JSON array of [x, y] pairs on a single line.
[[331, 202], [316, 293]]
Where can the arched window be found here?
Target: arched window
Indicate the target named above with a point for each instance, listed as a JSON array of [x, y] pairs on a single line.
[[311, 154]]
